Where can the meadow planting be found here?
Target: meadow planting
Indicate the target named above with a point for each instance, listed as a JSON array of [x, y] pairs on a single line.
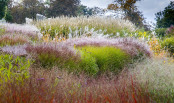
[[85, 60]]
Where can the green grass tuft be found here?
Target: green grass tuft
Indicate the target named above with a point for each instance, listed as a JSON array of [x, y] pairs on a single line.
[[106, 58]]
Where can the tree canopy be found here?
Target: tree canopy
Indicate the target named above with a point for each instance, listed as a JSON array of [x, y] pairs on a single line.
[[3, 5], [165, 18], [48, 8], [4, 12], [63, 7], [27, 8], [131, 11]]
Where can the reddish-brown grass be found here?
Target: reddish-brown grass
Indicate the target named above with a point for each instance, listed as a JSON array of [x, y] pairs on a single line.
[[54, 86], [12, 40]]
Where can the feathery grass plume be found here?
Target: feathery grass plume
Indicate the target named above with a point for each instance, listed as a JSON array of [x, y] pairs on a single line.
[[18, 50], [53, 54], [157, 75], [77, 26], [132, 46], [9, 39], [29, 30]]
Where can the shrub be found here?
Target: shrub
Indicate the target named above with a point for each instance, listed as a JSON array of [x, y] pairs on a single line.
[[160, 32], [156, 47], [106, 58], [170, 31], [13, 68], [168, 44]]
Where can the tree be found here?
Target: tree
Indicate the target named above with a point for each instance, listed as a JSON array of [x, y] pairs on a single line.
[[165, 18], [130, 10], [63, 7], [84, 10], [27, 8], [4, 12], [3, 6]]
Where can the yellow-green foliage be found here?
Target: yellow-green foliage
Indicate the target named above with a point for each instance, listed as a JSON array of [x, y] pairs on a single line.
[[88, 63], [168, 44], [2, 30], [91, 60], [13, 68], [106, 58]]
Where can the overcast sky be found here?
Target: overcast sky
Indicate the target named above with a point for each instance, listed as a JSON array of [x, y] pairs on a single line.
[[148, 7]]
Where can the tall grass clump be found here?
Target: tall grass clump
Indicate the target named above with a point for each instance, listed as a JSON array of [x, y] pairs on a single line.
[[106, 58], [157, 75], [52, 54], [59, 86], [13, 40], [17, 50], [2, 30], [29, 30], [131, 46], [90, 55], [77, 26]]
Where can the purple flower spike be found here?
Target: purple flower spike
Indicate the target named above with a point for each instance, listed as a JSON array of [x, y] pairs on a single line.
[[41, 79], [59, 77]]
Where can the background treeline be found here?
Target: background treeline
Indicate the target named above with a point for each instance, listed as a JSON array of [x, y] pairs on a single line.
[[16, 12]]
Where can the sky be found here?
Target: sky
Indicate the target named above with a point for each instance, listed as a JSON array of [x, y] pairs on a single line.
[[147, 7]]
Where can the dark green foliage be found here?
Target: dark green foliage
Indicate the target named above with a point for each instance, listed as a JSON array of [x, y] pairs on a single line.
[[9, 17], [54, 8], [170, 31], [165, 18], [84, 10], [28, 8], [62, 7], [3, 5], [4, 11], [160, 32]]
